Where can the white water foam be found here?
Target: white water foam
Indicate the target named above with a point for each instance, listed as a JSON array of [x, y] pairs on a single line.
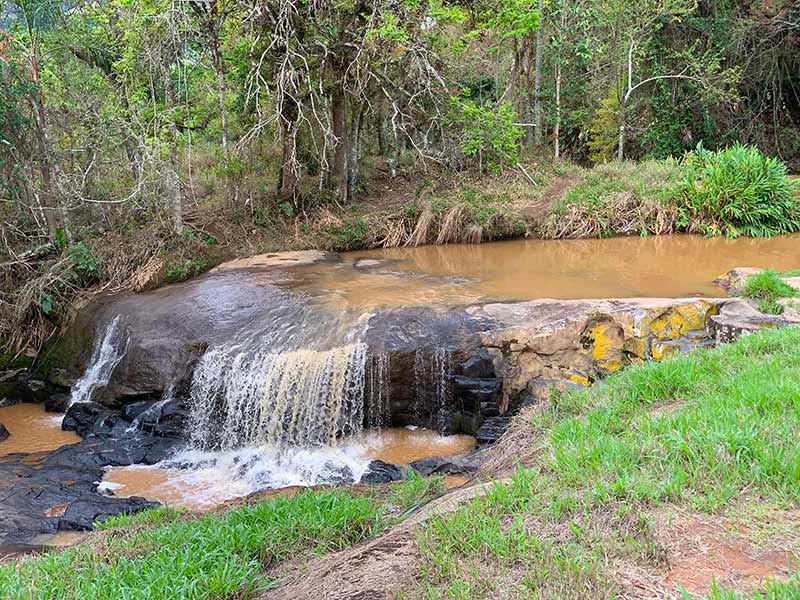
[[108, 351]]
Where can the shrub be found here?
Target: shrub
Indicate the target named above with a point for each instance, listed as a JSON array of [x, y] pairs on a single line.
[[738, 191], [490, 133]]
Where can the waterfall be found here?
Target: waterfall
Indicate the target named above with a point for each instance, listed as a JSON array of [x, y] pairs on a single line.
[[377, 390], [295, 398], [433, 390], [108, 350]]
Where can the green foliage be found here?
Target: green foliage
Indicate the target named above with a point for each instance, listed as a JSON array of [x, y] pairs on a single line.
[[514, 18], [85, 263], [222, 555], [739, 191], [699, 429], [186, 269], [349, 235], [604, 129], [768, 287], [416, 490], [490, 133]]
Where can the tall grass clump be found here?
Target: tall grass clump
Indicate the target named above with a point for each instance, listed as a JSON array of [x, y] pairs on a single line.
[[767, 287], [738, 191], [619, 199]]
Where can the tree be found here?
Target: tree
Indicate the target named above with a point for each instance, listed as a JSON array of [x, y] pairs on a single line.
[[34, 18]]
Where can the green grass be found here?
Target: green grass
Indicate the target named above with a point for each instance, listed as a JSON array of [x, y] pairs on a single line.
[[618, 199], [768, 287], [161, 554], [416, 490], [697, 430]]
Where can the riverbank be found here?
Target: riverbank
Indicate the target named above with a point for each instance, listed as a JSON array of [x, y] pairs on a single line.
[[542, 199], [698, 491]]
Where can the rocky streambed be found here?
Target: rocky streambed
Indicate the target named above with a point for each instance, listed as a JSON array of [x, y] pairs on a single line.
[[239, 345]]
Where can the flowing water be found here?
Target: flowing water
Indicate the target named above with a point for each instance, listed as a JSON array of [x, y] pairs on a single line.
[[108, 351], [219, 476], [33, 430], [286, 387]]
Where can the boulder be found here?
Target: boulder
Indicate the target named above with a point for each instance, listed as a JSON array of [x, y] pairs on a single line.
[[44, 493], [28, 389], [3, 433], [381, 472], [57, 403], [83, 513], [449, 465], [737, 317], [82, 417]]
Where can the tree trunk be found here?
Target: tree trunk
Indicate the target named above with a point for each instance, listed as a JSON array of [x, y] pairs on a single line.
[[219, 69], [557, 132], [287, 188], [341, 142], [173, 182], [537, 84], [354, 157], [49, 203], [380, 121], [622, 103]]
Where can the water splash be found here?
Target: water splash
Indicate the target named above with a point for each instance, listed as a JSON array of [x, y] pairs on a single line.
[[297, 398], [433, 390], [152, 414], [108, 351]]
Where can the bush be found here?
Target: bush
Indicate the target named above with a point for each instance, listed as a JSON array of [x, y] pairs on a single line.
[[739, 191]]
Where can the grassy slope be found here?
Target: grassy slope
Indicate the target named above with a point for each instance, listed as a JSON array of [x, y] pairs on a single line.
[[164, 553], [713, 434]]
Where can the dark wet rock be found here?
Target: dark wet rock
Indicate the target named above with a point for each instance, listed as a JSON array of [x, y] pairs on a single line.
[[57, 403], [82, 417], [114, 452], [379, 471], [168, 420], [81, 514], [478, 395], [492, 429], [334, 473], [133, 410], [29, 389], [479, 366], [9, 401], [3, 433], [64, 378], [448, 465], [44, 493]]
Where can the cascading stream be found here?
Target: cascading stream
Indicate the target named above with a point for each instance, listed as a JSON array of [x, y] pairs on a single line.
[[296, 398], [108, 351]]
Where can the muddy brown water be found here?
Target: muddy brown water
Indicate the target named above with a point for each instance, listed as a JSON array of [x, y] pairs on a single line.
[[33, 430], [626, 267], [205, 489]]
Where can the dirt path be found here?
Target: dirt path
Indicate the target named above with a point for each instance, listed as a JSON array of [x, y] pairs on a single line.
[[374, 570], [537, 211]]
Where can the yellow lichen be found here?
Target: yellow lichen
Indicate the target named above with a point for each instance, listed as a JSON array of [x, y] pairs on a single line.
[[579, 379], [679, 320], [606, 346]]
